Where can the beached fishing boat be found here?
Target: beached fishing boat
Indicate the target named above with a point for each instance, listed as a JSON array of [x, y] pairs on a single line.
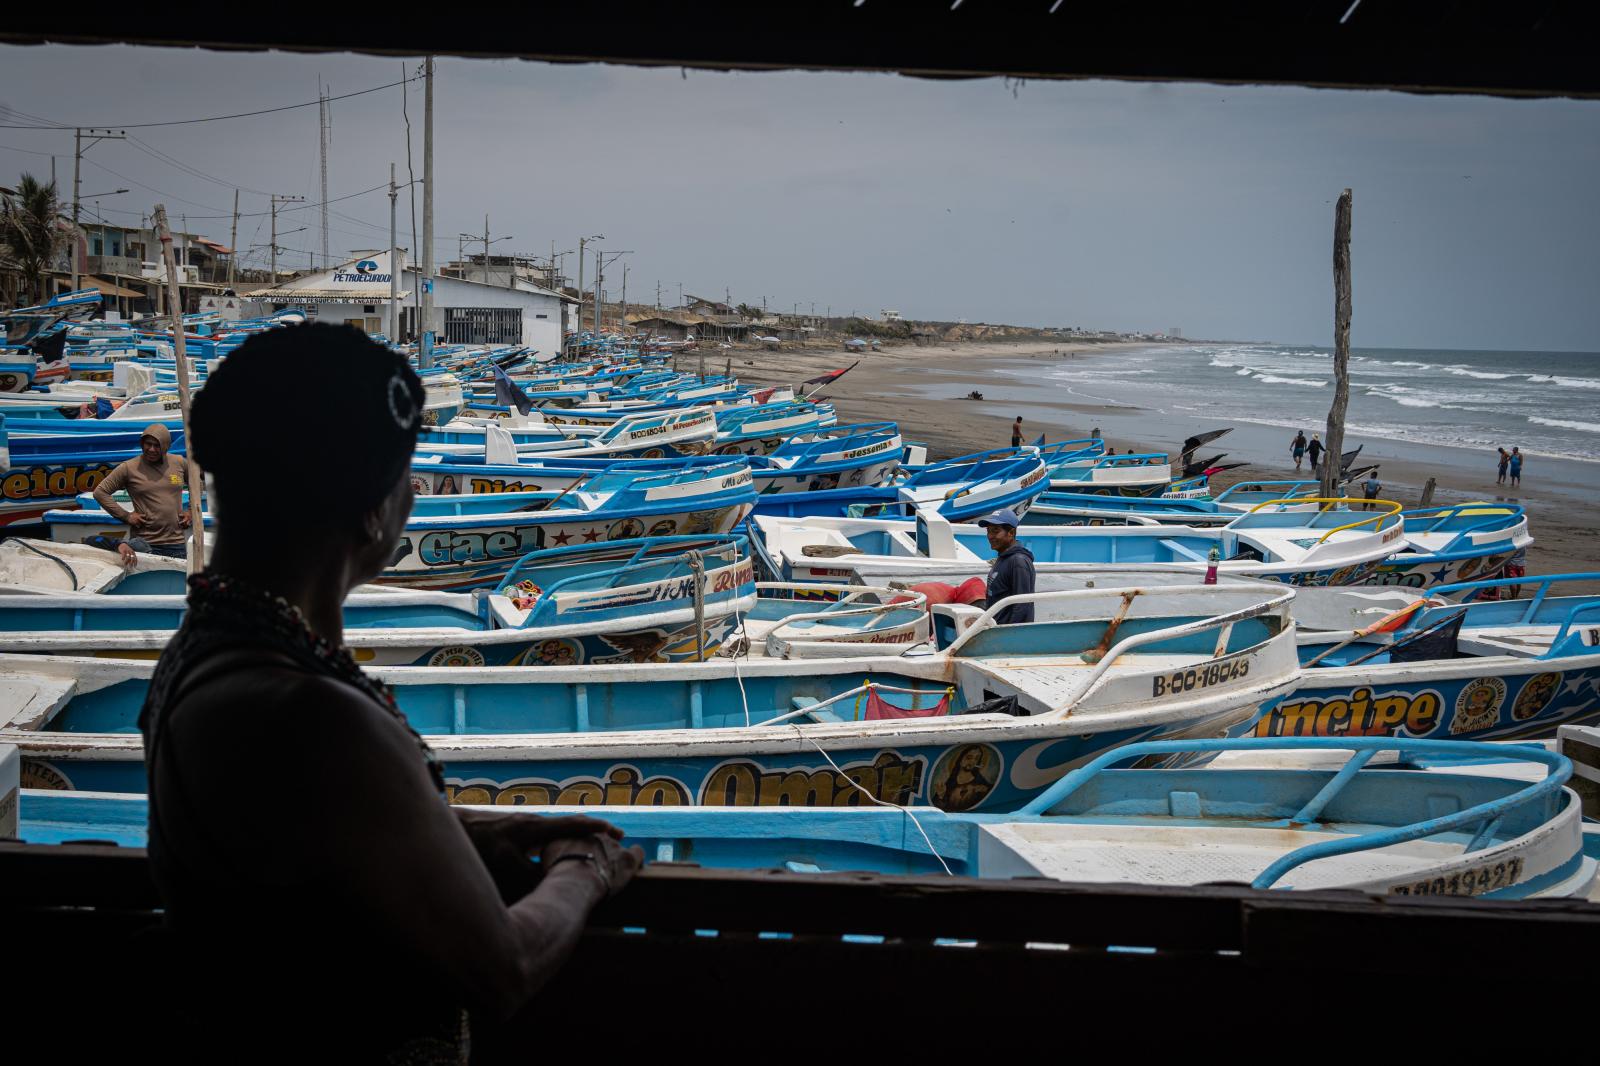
[[841, 456], [1003, 712], [1200, 509], [1463, 542], [42, 567], [812, 620], [1482, 670], [1299, 547], [656, 599], [1387, 831], [40, 472], [461, 542], [644, 436], [1136, 475], [957, 490]]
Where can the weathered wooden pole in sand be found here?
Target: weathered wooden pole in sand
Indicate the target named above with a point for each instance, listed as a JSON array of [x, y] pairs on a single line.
[[1331, 465], [197, 559]]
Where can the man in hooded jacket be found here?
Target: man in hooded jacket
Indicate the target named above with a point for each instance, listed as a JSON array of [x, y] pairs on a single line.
[[154, 481]]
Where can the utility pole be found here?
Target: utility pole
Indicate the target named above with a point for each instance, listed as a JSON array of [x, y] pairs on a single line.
[[599, 276], [425, 327], [581, 242], [394, 262], [233, 241], [183, 220], [658, 295], [324, 136], [95, 137], [624, 312], [276, 200], [680, 294]]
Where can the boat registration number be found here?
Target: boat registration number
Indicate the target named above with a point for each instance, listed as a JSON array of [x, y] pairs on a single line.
[[1473, 881], [1219, 672]]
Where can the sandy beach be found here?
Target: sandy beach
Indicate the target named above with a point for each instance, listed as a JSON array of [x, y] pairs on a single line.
[[924, 390]]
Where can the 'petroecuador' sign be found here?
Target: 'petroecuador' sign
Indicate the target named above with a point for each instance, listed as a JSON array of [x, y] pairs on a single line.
[[367, 270]]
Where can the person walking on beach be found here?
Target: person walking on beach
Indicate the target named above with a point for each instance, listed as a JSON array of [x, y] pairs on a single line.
[[1516, 467], [1314, 452], [1505, 461], [155, 479], [429, 925], [1016, 433], [1297, 448], [1011, 573], [1370, 488]]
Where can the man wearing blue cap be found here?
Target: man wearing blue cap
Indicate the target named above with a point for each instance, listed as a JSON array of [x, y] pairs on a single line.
[[1011, 573]]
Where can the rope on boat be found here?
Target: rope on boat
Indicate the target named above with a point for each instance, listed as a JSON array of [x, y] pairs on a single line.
[[697, 566], [882, 803], [71, 574]]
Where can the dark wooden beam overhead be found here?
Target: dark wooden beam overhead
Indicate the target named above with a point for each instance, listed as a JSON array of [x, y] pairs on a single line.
[[1532, 48]]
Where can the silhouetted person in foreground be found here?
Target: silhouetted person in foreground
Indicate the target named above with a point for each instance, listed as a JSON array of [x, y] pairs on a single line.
[[324, 902]]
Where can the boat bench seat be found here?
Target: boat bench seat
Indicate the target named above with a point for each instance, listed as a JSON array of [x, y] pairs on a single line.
[[1519, 645], [826, 714], [1182, 551]]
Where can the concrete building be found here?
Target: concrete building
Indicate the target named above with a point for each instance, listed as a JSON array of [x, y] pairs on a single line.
[[465, 311]]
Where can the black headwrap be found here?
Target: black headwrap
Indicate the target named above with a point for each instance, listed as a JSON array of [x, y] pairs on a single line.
[[315, 417]]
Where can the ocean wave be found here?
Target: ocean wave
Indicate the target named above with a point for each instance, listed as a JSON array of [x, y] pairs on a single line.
[[1245, 371], [1461, 371], [1562, 423], [1416, 401], [1404, 362], [1575, 383], [1273, 379]]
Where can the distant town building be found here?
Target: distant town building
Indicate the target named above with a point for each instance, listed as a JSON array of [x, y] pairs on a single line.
[[890, 316], [465, 312], [1174, 333]]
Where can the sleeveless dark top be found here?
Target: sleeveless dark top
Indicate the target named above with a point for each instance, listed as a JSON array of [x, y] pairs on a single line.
[[262, 961]]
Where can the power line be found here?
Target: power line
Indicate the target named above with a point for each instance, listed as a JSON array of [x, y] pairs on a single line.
[[160, 156], [213, 118]]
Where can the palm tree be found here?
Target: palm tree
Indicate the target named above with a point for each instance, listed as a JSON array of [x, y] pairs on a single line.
[[30, 229]]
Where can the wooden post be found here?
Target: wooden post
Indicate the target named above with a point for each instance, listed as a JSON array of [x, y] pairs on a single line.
[[197, 560], [1341, 346], [1427, 491]]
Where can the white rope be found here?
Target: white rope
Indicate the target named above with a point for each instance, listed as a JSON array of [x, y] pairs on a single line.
[[882, 803], [850, 780], [738, 623]]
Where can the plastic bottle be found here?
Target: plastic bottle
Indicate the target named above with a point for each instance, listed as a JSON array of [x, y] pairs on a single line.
[[1211, 565]]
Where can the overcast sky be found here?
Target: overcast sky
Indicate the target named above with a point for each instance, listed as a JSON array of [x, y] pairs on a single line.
[[1099, 204]]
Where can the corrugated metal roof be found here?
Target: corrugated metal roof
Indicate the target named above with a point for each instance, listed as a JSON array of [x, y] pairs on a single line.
[[321, 296]]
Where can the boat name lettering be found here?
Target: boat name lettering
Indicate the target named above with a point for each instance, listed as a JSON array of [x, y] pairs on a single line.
[[733, 481], [890, 777], [1391, 534], [1358, 714], [871, 449], [650, 431], [727, 579], [622, 786], [485, 484], [447, 547], [41, 482], [1221, 671], [1033, 478], [1473, 881]]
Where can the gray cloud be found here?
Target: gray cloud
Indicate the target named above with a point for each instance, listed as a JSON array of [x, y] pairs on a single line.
[[1091, 203]]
